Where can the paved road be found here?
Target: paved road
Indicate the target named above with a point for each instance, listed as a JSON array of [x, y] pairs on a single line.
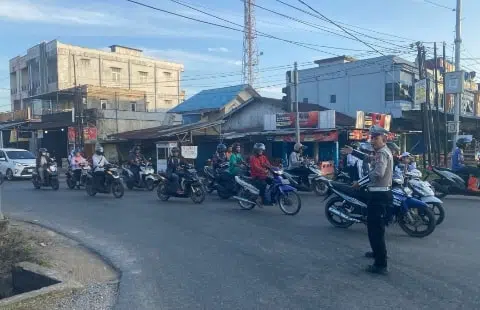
[[178, 255]]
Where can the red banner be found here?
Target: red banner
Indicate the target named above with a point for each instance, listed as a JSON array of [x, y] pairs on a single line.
[[287, 120], [71, 134], [329, 136], [89, 134]]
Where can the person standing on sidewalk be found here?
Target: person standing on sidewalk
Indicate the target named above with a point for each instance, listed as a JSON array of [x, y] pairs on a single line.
[[378, 186]]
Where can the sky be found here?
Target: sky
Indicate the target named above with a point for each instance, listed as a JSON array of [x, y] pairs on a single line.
[[212, 55]]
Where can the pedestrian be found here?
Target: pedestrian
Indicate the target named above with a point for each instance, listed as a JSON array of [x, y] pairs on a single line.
[[377, 185]]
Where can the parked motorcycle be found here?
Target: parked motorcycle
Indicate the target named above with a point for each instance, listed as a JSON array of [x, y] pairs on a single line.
[[278, 192], [189, 182], [424, 191], [307, 178], [450, 183], [146, 177], [347, 208], [71, 182], [50, 179], [112, 184]]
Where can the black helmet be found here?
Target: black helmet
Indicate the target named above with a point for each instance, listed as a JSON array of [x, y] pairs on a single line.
[[257, 147], [221, 148], [42, 150], [462, 143], [175, 150]]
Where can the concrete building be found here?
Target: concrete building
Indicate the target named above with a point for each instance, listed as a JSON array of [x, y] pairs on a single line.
[[55, 66], [383, 84]]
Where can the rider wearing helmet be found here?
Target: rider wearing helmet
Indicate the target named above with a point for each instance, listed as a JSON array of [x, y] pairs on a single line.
[[220, 156], [42, 162], [353, 164], [258, 169], [296, 159], [459, 167], [99, 161], [135, 158], [173, 167], [77, 161]]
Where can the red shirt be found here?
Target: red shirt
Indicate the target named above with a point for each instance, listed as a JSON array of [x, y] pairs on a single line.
[[258, 164]]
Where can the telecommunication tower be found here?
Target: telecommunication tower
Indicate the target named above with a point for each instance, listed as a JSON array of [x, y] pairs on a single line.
[[250, 48]]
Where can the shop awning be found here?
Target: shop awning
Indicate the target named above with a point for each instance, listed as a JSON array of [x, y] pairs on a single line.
[[288, 135], [5, 126]]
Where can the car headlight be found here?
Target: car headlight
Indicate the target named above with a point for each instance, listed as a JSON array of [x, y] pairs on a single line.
[[17, 164]]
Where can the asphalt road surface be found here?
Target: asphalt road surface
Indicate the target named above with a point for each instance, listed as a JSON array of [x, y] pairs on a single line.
[[178, 255]]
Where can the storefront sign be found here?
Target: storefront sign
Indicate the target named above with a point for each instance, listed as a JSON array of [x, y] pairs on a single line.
[[89, 134], [367, 120], [314, 137], [189, 151], [287, 120], [420, 92], [364, 135]]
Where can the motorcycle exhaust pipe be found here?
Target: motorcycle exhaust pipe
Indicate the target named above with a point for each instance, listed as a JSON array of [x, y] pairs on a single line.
[[343, 215], [244, 200]]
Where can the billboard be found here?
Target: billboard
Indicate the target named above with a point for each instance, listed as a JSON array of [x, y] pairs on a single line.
[[287, 120], [367, 120]]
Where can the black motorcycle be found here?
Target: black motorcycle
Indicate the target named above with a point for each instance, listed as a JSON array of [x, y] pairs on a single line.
[[71, 180], [50, 179], [189, 181], [211, 174], [451, 183], [307, 178], [225, 182], [112, 183]]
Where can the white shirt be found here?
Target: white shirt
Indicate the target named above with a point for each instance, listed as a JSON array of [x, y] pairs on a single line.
[[99, 161], [43, 160], [294, 160]]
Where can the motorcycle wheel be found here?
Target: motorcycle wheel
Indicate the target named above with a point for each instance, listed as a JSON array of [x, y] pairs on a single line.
[[438, 211], [335, 202], [198, 194], [245, 205], [149, 185], [54, 184], [70, 183], [290, 199], [424, 215], [438, 193], [162, 192], [89, 188], [117, 189], [320, 188], [36, 183], [223, 194]]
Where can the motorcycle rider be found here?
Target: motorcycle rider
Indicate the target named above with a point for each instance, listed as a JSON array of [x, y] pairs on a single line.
[[258, 170], [135, 159], [220, 156], [42, 162], [459, 167], [406, 163], [236, 160], [77, 161], [296, 159], [173, 167], [378, 190], [99, 161], [229, 152]]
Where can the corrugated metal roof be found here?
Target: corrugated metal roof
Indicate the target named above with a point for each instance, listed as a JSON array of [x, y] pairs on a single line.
[[210, 99]]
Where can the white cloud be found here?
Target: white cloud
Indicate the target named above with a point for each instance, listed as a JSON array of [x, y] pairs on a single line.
[[190, 58], [218, 49], [272, 92], [44, 13]]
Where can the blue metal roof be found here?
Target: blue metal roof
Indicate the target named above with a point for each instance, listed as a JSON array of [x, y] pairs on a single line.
[[210, 99]]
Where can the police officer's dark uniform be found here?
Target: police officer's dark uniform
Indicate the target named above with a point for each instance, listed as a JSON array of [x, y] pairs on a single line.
[[378, 185]]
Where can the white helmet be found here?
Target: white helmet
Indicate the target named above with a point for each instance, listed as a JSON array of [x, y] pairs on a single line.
[[297, 147]]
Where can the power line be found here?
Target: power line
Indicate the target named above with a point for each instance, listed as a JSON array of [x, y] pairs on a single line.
[[439, 5]]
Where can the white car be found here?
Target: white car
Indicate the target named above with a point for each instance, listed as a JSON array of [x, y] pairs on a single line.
[[17, 163]]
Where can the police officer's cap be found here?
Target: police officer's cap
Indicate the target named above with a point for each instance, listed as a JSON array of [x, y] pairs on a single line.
[[376, 130]]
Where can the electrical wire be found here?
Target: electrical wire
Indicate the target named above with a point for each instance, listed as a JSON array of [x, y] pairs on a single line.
[[439, 5]]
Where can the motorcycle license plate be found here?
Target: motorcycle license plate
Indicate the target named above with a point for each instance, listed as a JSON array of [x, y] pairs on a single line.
[[285, 181]]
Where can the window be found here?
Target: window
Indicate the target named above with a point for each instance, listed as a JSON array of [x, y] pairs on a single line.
[[2, 155], [333, 98], [401, 91], [103, 103], [143, 76], [20, 155], [133, 106], [116, 74], [84, 67], [168, 102], [167, 75]]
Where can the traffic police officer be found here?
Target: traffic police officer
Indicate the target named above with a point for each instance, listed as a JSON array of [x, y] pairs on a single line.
[[378, 185]]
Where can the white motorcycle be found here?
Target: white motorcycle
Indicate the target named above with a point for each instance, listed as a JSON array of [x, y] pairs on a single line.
[[146, 179]]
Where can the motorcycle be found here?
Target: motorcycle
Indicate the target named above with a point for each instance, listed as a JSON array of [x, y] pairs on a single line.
[[190, 183], [209, 179], [225, 182], [146, 179], [278, 192], [450, 183], [347, 208], [424, 191], [71, 183], [112, 184], [307, 178], [51, 177]]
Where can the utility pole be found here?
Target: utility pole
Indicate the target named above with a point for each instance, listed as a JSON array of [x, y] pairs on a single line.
[[445, 115], [422, 105], [428, 110], [437, 114], [297, 115], [458, 43]]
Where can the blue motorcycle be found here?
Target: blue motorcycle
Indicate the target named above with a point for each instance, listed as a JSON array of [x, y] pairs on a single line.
[[279, 191], [348, 207]]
